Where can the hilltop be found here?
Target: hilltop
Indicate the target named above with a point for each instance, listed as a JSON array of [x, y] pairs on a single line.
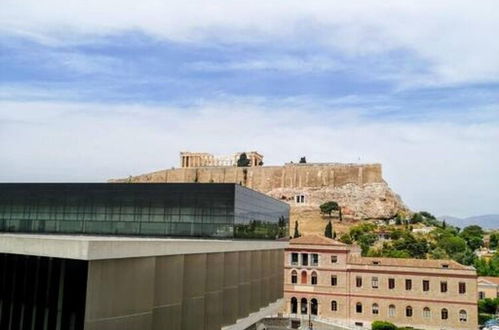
[[359, 189]]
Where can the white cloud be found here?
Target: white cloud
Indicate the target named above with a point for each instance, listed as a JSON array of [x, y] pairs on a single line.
[[446, 167], [282, 63], [457, 39]]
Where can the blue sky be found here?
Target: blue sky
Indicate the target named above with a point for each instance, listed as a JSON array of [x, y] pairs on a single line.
[[101, 90]]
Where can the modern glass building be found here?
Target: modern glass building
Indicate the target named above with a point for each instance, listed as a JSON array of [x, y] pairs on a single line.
[[152, 209]]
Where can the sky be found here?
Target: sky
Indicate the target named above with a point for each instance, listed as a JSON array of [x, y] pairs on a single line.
[[92, 90]]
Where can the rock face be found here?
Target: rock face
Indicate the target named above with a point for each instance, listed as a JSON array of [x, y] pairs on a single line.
[[365, 201], [358, 188]]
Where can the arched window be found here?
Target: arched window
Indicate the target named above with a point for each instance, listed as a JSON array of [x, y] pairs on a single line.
[[304, 277], [314, 278], [294, 305], [391, 310], [303, 306], [313, 306], [334, 305], [463, 316], [426, 313], [408, 311], [358, 307], [445, 314], [375, 309], [294, 277]]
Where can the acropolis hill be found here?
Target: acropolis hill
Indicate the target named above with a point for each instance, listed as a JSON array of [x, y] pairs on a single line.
[[358, 188]]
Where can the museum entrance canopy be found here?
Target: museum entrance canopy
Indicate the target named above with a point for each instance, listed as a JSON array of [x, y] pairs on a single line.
[[149, 209]]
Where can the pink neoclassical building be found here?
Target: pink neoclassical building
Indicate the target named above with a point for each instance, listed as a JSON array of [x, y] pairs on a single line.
[[328, 280]]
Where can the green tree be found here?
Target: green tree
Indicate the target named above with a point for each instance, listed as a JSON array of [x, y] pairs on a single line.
[[473, 235], [328, 232], [488, 305], [366, 240], [439, 253], [243, 160], [416, 218], [383, 325], [357, 231], [452, 244], [329, 207], [494, 239], [297, 233], [345, 238]]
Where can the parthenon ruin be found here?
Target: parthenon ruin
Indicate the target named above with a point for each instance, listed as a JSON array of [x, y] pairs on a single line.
[[203, 159]]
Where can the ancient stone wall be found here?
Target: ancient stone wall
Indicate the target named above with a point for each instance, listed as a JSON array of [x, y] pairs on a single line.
[[268, 178]]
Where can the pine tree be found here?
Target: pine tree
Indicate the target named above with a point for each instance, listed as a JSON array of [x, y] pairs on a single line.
[[444, 225], [334, 235], [341, 214], [328, 232], [297, 233]]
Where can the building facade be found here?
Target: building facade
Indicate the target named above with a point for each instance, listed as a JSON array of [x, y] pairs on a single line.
[[86, 256], [488, 287], [328, 280], [181, 209]]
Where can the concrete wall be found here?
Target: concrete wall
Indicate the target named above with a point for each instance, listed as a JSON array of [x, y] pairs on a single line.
[[193, 291], [267, 178]]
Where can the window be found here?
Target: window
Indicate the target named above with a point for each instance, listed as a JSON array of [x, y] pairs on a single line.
[[481, 295], [426, 313], [294, 277], [426, 285], [304, 305], [391, 310], [334, 305], [445, 314], [294, 258], [303, 277], [391, 283], [443, 286], [376, 262], [315, 259], [334, 280], [358, 307], [294, 305], [304, 259], [375, 309], [314, 278], [445, 266], [408, 311], [462, 287], [374, 282], [463, 316], [408, 284], [358, 281], [300, 199], [313, 306], [334, 259]]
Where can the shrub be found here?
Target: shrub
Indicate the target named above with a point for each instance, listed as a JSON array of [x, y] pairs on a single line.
[[383, 325]]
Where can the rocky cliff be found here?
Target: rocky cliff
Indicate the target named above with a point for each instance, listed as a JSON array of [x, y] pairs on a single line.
[[358, 188]]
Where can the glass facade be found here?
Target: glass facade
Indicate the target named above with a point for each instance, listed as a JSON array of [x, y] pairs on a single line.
[[150, 209]]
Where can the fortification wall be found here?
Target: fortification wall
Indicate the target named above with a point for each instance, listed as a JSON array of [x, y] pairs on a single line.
[[267, 178]]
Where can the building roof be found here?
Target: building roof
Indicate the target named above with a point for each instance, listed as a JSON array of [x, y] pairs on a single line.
[[491, 279], [402, 262], [315, 240]]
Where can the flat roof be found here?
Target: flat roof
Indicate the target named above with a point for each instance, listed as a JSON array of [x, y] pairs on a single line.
[[83, 247]]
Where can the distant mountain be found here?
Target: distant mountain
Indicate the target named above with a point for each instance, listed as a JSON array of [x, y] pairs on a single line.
[[488, 221]]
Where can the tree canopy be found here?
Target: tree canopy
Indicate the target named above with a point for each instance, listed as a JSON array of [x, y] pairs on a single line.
[[297, 233], [243, 160], [329, 207], [328, 232]]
